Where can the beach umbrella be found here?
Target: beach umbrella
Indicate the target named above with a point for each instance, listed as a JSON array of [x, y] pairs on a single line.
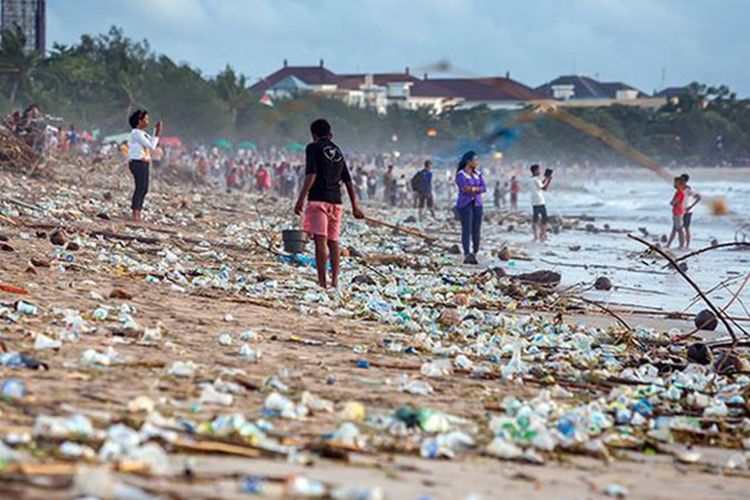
[[295, 147], [222, 144], [247, 145], [173, 142]]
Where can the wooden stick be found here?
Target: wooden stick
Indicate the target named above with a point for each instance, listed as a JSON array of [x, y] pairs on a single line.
[[692, 283], [608, 311], [8, 220], [216, 447], [715, 247], [402, 229], [22, 204]]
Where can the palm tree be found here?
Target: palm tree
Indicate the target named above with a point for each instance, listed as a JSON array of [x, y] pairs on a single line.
[[16, 62], [233, 91]]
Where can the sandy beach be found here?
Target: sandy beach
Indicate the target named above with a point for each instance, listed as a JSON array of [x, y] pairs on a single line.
[[308, 343]]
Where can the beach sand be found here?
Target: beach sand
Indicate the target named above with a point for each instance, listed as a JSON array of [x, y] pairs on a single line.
[[191, 323]]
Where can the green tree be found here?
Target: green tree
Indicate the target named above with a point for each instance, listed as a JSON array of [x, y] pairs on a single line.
[[16, 63]]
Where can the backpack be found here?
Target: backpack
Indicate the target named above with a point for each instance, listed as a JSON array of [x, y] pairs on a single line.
[[417, 182]]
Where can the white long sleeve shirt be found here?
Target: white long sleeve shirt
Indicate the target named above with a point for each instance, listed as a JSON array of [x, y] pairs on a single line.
[[140, 145]]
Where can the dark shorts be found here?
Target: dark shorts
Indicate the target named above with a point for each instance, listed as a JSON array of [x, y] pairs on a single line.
[[540, 212], [514, 198], [678, 223], [424, 199], [687, 219]]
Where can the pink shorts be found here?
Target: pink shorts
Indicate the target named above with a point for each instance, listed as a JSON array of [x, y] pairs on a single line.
[[322, 219]]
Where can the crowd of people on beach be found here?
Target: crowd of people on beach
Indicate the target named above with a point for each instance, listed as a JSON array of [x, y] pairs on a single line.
[[317, 177], [389, 179]]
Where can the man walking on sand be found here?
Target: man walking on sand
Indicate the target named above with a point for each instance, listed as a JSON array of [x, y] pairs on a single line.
[[691, 200], [421, 183], [325, 170]]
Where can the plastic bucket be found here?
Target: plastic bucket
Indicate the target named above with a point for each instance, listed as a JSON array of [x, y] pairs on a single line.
[[294, 240]]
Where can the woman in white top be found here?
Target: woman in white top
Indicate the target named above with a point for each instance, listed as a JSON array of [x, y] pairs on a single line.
[[140, 146]]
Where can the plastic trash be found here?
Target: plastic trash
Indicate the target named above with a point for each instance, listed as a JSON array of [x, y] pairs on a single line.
[[18, 360], [463, 362], [354, 411], [432, 420], [225, 339], [254, 485], [44, 342], [446, 445], [209, 395], [315, 403], [26, 309], [91, 357], [249, 354], [183, 369], [419, 387], [348, 434], [515, 366], [437, 369], [13, 388], [249, 336], [351, 492], [76, 450], [100, 314], [503, 449], [75, 425], [299, 486], [363, 363], [141, 404], [284, 407], [616, 490]]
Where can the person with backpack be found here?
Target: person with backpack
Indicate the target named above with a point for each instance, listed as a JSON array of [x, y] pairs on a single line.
[[421, 184]]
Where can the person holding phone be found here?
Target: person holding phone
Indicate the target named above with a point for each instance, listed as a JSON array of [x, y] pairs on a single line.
[[140, 146], [539, 218]]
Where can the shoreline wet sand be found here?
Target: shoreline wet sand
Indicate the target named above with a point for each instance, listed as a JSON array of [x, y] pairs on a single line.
[[164, 299]]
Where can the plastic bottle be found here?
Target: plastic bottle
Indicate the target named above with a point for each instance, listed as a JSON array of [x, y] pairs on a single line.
[[182, 369], [300, 486], [26, 308], [44, 342], [419, 387], [13, 388], [432, 420], [209, 395], [348, 492], [254, 485]]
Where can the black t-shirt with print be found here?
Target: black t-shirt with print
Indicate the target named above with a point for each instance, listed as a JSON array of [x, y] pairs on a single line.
[[326, 161]]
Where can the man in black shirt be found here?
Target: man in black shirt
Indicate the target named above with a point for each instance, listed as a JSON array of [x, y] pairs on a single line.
[[325, 170]]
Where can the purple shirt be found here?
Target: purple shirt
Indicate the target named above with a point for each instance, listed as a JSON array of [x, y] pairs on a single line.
[[463, 179]]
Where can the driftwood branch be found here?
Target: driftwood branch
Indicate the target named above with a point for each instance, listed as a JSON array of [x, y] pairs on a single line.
[[714, 247], [402, 229], [719, 314], [608, 311]]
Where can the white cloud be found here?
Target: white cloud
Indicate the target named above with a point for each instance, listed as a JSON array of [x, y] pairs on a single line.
[[629, 40]]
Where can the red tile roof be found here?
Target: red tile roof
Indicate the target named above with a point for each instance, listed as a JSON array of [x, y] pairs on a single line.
[[311, 75], [475, 89]]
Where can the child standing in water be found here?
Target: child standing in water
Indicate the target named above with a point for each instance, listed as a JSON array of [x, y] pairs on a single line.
[[678, 212]]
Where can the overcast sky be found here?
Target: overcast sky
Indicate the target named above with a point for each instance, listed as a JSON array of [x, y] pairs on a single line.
[[536, 40]]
